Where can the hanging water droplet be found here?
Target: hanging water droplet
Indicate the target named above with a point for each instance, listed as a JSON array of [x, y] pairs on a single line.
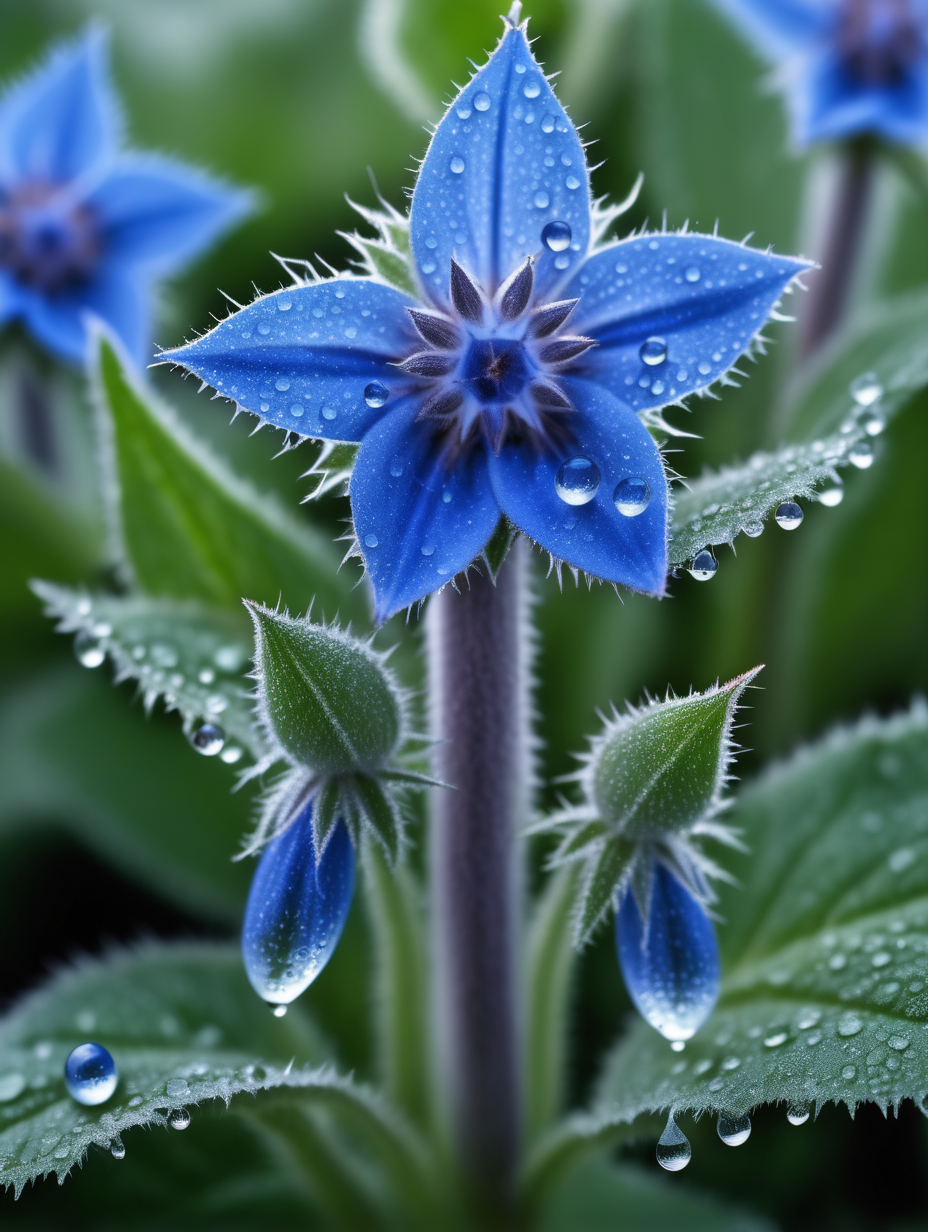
[[866, 389], [673, 1148], [556, 236], [87, 649], [704, 566], [692, 274], [671, 968], [231, 754], [653, 351], [90, 1074], [873, 423], [180, 1118], [631, 496], [754, 530], [798, 1114], [532, 88], [734, 1130], [677, 1046], [296, 909], [577, 480], [117, 1150], [861, 455], [279, 1011], [831, 495], [208, 739], [788, 515], [481, 102], [457, 164]]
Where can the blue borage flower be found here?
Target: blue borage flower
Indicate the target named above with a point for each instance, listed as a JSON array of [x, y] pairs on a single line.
[[516, 381], [83, 227], [847, 67]]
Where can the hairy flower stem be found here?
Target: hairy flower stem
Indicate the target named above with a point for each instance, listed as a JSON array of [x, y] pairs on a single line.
[[477, 683], [828, 293]]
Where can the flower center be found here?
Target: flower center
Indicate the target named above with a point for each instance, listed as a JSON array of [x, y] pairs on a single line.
[[878, 40], [495, 369], [45, 242]]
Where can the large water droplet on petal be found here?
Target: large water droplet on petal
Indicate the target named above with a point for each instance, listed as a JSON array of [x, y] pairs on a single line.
[[532, 88], [653, 351], [632, 496], [577, 480], [376, 395], [673, 1148], [788, 515], [457, 164], [671, 967], [704, 566], [692, 274], [296, 909], [90, 1074], [734, 1130], [556, 236]]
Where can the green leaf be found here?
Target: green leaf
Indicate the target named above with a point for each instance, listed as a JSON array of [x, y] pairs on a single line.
[[825, 953], [332, 468], [182, 525], [374, 807], [387, 258], [497, 549], [326, 698], [607, 868], [74, 755], [661, 769], [190, 656]]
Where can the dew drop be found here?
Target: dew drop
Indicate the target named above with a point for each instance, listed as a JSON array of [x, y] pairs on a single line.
[[572, 183], [677, 1046], [849, 1024], [861, 455], [831, 495], [285, 304], [481, 101], [264, 329], [788, 515], [11, 1085], [797, 1114], [754, 530], [704, 367], [231, 754], [541, 200], [562, 261], [90, 1074], [873, 423], [376, 395], [180, 1119], [463, 111], [704, 566], [631, 496], [208, 739], [371, 541], [577, 480], [532, 88], [87, 650], [774, 1041], [866, 389], [457, 164], [296, 410], [734, 1130], [547, 124], [117, 1150], [282, 384], [556, 236], [898, 1042], [428, 549], [849, 1072], [653, 351], [692, 274], [673, 1148], [329, 413]]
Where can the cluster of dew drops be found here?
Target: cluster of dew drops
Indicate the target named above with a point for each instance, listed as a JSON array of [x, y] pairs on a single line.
[[673, 1148], [866, 392]]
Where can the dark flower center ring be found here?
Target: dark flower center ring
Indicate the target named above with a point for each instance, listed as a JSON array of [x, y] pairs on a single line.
[[46, 242]]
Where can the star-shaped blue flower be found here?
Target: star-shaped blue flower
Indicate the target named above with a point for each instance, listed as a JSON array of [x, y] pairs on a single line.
[[514, 383], [848, 67], [85, 228]]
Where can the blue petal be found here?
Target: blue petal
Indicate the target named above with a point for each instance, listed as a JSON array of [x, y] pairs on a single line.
[[159, 213], [828, 105], [521, 167], [594, 537], [302, 358], [59, 321], [61, 122], [671, 967], [778, 28], [705, 297], [296, 909], [418, 521]]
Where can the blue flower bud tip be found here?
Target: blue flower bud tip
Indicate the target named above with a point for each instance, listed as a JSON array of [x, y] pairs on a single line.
[[296, 909], [671, 963]]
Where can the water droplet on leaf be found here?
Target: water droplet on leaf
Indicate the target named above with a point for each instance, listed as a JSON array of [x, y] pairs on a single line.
[[788, 515], [90, 1074], [797, 1114], [208, 739], [673, 1148], [734, 1130], [117, 1150], [180, 1119], [88, 651], [861, 455], [831, 495], [866, 389], [704, 566], [774, 1041]]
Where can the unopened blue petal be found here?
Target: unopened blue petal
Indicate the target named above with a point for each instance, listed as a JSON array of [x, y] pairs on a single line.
[[59, 321], [296, 909], [778, 28], [671, 965], [302, 358], [504, 162], [594, 537], [61, 122], [705, 298], [418, 520], [158, 213]]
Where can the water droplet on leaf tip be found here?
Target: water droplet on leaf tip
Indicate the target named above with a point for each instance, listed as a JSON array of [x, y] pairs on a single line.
[[90, 1074], [208, 739], [704, 566], [673, 1148], [734, 1130], [788, 515], [866, 389], [797, 1114], [279, 1011], [376, 395], [861, 455], [87, 650], [180, 1119], [556, 236], [117, 1150], [678, 1045], [653, 351], [577, 480], [482, 101], [632, 496]]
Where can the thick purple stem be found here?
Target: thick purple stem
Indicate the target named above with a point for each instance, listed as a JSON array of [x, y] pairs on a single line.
[[830, 287], [478, 683]]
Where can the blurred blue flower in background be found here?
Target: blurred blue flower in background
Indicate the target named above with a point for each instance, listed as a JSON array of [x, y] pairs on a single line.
[[516, 382], [848, 67], [83, 226]]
